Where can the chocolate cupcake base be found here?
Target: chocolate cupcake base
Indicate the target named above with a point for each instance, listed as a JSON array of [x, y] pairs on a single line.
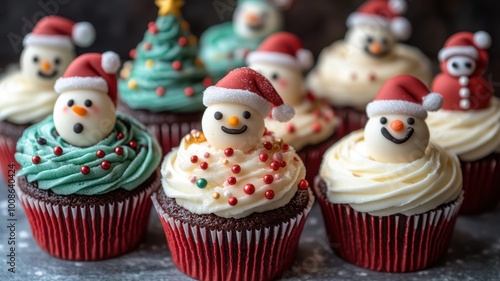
[[9, 134]]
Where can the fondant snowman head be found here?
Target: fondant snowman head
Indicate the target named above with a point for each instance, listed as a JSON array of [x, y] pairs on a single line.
[[256, 19], [282, 60], [84, 113], [376, 26], [396, 131], [49, 48], [464, 54], [236, 108]]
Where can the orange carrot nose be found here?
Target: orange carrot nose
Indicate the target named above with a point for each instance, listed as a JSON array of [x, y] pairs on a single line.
[[79, 110], [252, 18], [375, 48], [233, 121], [45, 66], [397, 125]]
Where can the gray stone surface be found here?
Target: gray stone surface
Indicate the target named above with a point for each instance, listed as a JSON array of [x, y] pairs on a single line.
[[474, 255]]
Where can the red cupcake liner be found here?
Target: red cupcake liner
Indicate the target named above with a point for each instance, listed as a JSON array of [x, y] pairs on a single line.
[[396, 243], [170, 135], [481, 184], [254, 254], [89, 233], [352, 119], [7, 151]]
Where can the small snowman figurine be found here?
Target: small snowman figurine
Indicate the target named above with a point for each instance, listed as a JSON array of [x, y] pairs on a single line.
[[396, 131], [84, 112], [464, 60], [236, 108]]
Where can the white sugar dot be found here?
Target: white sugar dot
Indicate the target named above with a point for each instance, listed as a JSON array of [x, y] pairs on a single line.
[[464, 104], [24, 234], [38, 273], [228, 193], [463, 80], [464, 92]]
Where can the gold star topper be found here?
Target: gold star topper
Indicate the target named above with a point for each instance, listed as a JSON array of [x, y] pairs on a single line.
[[169, 7]]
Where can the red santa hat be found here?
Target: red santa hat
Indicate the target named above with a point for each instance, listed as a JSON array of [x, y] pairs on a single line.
[[386, 13], [404, 94], [468, 44], [57, 31], [248, 87], [91, 71], [282, 48]]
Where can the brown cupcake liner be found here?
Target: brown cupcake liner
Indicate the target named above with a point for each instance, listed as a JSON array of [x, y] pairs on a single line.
[[395, 243], [481, 184], [7, 152], [170, 135], [217, 254], [89, 233]]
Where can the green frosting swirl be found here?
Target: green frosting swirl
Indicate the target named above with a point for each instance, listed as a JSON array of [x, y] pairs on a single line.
[[153, 68], [62, 174]]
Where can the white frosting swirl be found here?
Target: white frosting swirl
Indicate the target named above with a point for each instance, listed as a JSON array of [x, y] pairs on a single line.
[[384, 189], [471, 135], [347, 79], [312, 123], [178, 171], [23, 102]]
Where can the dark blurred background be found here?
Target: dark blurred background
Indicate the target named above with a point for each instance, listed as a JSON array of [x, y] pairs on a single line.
[[121, 23]]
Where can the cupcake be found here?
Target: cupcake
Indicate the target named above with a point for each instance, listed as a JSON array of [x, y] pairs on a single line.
[[162, 87], [86, 173], [350, 72], [225, 46], [389, 197], [281, 59], [232, 195], [468, 124], [28, 95]]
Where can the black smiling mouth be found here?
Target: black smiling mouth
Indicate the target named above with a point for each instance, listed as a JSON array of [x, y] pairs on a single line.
[[256, 27], [388, 136], [48, 76], [234, 131]]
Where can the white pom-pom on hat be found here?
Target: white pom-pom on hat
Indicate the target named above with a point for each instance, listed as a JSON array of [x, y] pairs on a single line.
[[432, 101], [398, 6], [83, 34], [283, 113], [482, 39], [305, 58], [110, 62], [401, 28]]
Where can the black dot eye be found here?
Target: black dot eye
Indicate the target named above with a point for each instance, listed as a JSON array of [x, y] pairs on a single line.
[[410, 121], [275, 76], [383, 120], [246, 114], [57, 61], [70, 103], [369, 39], [35, 59], [454, 65], [88, 103], [218, 115], [468, 65]]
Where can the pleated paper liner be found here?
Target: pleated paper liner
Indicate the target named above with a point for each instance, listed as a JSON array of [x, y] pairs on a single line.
[[252, 254], [396, 243], [92, 232], [7, 151], [481, 184], [352, 119]]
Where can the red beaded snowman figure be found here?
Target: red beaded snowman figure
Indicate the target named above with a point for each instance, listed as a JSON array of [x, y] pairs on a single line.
[[84, 113], [396, 131], [49, 48], [236, 108], [464, 60]]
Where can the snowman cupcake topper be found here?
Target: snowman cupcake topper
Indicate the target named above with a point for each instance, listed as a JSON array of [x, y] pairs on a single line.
[[396, 131], [84, 113], [237, 106], [463, 61], [49, 48]]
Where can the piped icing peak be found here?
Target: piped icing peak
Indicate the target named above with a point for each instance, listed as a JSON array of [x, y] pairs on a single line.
[[396, 131]]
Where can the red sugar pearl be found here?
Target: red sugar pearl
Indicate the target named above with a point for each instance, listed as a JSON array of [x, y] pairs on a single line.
[[231, 180], [316, 127], [152, 28], [249, 188], [100, 154], [177, 65], [132, 144], [189, 92], [236, 169], [268, 179], [105, 165], [160, 91], [85, 170], [58, 150], [282, 164], [232, 201], [269, 194], [303, 184], [207, 82], [203, 165], [263, 157], [120, 136], [36, 159], [182, 41], [285, 147], [119, 150], [147, 46], [290, 128], [132, 53], [268, 145], [194, 159], [228, 152], [275, 165]]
